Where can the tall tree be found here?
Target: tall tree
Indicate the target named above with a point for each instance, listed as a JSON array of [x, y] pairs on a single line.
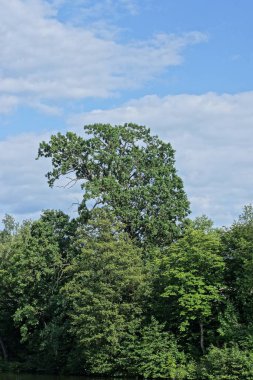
[[193, 269], [238, 255], [105, 293], [127, 170], [31, 274]]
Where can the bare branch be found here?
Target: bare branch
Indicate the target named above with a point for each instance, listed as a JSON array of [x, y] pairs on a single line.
[[71, 183]]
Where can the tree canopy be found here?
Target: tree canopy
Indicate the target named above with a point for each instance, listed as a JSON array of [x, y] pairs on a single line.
[[126, 169], [131, 286]]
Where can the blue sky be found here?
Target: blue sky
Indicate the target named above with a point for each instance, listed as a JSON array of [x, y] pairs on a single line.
[[181, 67]]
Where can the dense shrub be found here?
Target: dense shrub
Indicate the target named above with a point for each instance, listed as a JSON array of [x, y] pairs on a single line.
[[228, 363], [159, 356]]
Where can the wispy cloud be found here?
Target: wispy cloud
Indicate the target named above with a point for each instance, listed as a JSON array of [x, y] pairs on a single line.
[[8, 103], [79, 11], [48, 59], [130, 5]]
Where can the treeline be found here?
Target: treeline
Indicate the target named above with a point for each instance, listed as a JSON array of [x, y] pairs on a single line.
[[131, 286]]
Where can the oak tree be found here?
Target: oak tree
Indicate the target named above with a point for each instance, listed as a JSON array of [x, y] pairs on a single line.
[[127, 170]]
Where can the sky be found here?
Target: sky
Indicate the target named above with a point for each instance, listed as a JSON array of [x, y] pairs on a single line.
[[181, 67]]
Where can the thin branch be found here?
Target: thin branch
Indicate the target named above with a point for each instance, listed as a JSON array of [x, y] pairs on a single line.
[[70, 184], [96, 203]]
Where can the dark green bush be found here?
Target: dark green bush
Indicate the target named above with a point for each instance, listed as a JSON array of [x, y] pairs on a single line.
[[159, 356], [227, 363]]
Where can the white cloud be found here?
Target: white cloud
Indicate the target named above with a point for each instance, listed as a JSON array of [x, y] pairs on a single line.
[[90, 10], [44, 58], [24, 191], [212, 135], [7, 103], [130, 5]]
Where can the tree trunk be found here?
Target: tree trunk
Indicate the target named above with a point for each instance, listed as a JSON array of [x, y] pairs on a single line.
[[202, 337], [4, 351]]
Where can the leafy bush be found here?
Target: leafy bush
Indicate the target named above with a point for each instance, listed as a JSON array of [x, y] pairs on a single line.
[[228, 363], [158, 355]]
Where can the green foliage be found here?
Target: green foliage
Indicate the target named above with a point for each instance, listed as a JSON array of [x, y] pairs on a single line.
[[158, 355], [128, 170], [31, 274], [106, 292], [230, 329], [193, 270], [131, 287], [228, 363], [10, 228], [237, 250], [202, 223]]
